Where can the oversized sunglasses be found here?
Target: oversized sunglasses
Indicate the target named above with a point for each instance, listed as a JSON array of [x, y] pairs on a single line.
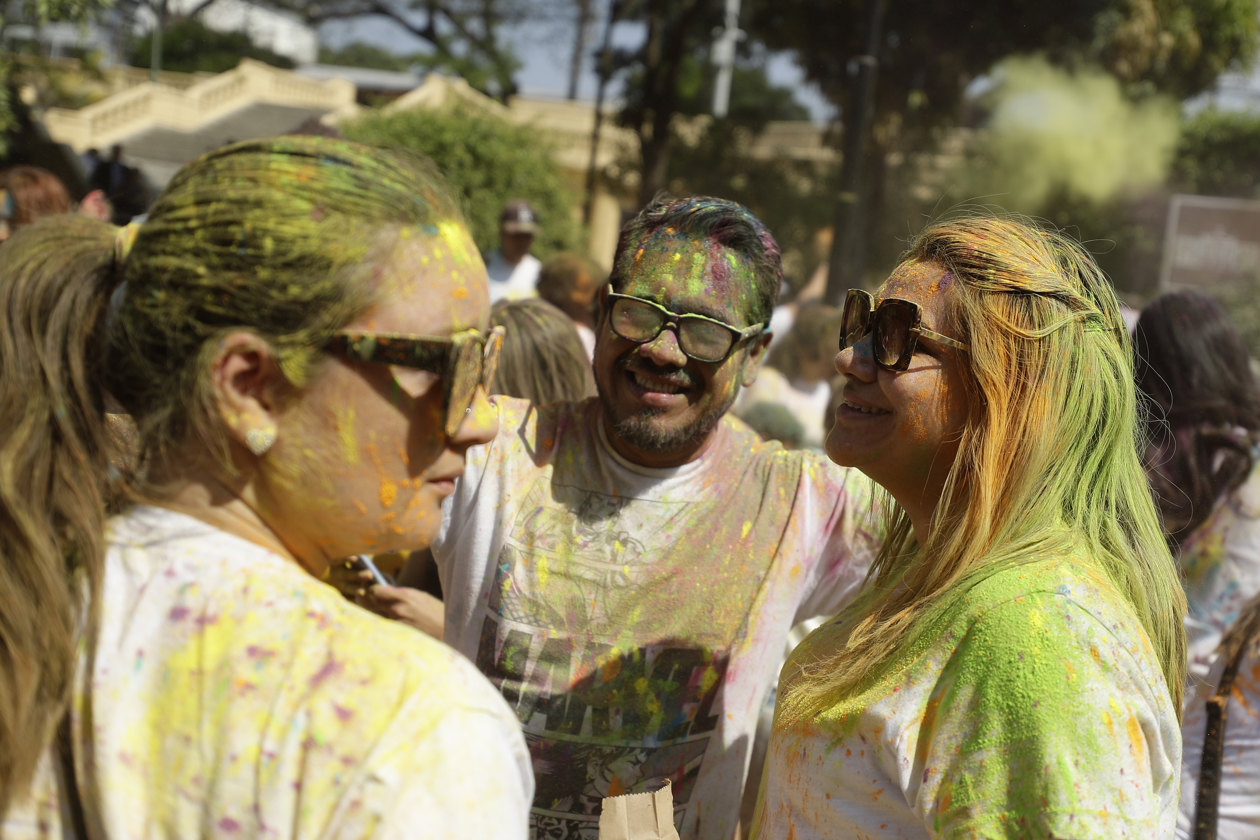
[[700, 337], [463, 361], [895, 325]]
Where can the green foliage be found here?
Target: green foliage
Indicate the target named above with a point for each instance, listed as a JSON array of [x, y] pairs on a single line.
[[359, 54], [1219, 154], [488, 162], [189, 46], [1178, 47], [12, 113]]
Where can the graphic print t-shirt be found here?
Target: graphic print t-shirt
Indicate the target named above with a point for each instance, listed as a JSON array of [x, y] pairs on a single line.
[[1035, 708], [634, 618], [233, 695]]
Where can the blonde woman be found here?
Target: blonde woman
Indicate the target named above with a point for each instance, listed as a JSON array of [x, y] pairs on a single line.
[[1015, 663], [299, 334]]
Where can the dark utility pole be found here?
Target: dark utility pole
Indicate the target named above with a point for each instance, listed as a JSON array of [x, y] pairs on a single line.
[[844, 270]]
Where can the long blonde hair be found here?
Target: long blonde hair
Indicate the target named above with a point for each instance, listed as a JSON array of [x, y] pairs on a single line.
[[1048, 461], [268, 235]]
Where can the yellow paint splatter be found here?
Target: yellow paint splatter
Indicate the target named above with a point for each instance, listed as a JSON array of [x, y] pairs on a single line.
[[743, 532], [1136, 742], [349, 437]]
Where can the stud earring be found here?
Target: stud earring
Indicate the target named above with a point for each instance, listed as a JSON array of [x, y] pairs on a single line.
[[259, 441]]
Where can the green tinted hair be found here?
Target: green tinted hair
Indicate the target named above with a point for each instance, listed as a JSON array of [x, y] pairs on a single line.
[[264, 235], [1049, 461], [273, 236]]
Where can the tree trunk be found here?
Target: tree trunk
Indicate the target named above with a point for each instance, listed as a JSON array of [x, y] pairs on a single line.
[[585, 18], [844, 268], [669, 24]]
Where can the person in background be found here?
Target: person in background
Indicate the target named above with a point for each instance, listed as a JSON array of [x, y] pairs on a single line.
[[543, 360], [1204, 466], [1015, 661], [28, 193], [795, 375], [513, 270], [297, 335], [571, 283]]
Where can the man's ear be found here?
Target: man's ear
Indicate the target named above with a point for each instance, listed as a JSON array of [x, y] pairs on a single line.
[[756, 355], [247, 385], [601, 303]]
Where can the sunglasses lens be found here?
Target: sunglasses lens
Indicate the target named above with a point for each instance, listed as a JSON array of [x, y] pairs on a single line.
[[635, 321], [464, 375], [892, 326], [855, 321], [704, 341], [490, 358]]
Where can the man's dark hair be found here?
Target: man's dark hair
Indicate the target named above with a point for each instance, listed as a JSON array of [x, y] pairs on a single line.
[[726, 223]]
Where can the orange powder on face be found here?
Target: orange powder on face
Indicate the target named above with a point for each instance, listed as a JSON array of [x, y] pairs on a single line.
[[389, 493], [459, 293]]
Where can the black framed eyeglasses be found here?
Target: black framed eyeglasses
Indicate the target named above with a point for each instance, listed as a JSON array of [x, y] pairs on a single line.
[[700, 337], [896, 325], [463, 361]]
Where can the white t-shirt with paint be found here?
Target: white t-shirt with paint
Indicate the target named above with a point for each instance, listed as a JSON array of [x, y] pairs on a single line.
[[1220, 569], [232, 694], [1220, 565], [1034, 708], [635, 617]]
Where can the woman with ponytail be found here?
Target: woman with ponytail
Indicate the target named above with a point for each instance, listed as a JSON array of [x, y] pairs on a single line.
[[298, 334], [1203, 425], [1014, 664]]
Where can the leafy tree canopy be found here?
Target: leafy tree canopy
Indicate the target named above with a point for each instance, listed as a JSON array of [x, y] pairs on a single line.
[[488, 162], [189, 46], [359, 54], [929, 52], [1219, 154], [12, 113]]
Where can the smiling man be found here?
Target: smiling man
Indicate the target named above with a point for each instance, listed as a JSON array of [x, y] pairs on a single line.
[[626, 569]]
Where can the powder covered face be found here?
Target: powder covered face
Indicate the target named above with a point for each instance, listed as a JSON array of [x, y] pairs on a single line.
[[362, 466], [902, 428], [659, 405]]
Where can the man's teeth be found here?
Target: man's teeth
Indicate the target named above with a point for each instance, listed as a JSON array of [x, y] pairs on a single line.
[[862, 409], [657, 385]]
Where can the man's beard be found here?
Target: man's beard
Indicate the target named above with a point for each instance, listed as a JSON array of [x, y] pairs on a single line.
[[642, 433]]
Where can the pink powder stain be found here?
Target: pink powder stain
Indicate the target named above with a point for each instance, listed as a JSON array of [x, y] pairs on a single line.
[[343, 714], [177, 614], [229, 824], [331, 668]]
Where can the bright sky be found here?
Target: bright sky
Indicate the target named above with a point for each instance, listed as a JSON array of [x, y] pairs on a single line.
[[545, 49]]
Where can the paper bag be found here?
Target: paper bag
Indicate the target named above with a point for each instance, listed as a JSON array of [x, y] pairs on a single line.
[[639, 816]]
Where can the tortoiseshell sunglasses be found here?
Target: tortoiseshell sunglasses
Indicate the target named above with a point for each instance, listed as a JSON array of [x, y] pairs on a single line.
[[464, 360], [896, 324]]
